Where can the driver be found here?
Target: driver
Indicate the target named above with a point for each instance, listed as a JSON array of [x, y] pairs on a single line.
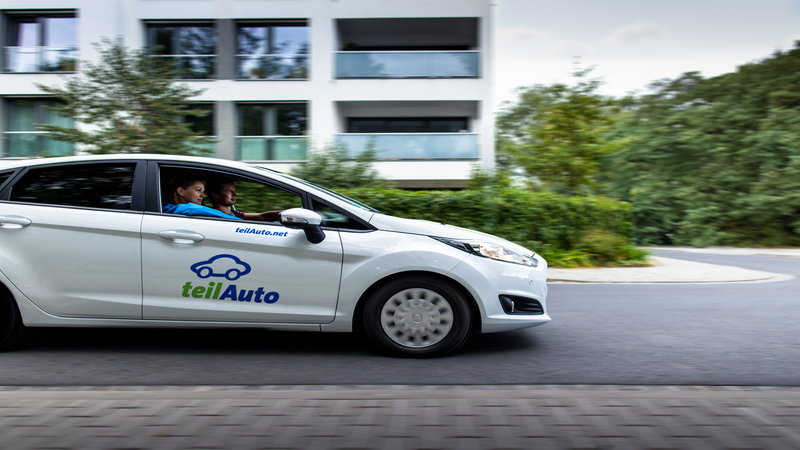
[[222, 194]]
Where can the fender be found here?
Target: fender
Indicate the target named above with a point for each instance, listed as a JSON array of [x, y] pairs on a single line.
[[371, 257]]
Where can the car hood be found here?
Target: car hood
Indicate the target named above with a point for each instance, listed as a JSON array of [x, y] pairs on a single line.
[[427, 228]]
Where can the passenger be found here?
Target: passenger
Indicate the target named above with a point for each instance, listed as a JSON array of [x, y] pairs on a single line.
[[222, 194], [186, 197]]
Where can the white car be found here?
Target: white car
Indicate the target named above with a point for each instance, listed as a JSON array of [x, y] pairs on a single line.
[[84, 243]]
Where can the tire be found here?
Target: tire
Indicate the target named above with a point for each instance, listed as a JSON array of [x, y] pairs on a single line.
[[419, 317], [11, 328]]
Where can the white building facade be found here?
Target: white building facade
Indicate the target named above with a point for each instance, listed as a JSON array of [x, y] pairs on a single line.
[[282, 78]]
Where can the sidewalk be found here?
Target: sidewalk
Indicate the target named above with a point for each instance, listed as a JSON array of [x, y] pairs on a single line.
[[670, 270], [401, 417]]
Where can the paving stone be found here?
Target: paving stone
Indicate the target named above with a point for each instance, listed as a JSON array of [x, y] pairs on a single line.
[[356, 417]]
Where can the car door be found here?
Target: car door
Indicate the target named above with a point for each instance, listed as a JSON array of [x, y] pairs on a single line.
[[69, 239], [217, 270]]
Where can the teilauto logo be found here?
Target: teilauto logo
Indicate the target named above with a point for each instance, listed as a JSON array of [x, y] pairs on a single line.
[[205, 269], [231, 268]]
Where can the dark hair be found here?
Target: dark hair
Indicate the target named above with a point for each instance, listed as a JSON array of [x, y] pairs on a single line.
[[215, 185]]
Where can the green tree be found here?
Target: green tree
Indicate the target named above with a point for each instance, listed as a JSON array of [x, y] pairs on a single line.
[[334, 168], [129, 103], [559, 134], [716, 161]]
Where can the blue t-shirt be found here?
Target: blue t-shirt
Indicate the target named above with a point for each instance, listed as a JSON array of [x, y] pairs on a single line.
[[193, 209]]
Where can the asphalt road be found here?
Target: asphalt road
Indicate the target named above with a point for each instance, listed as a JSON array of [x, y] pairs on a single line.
[[714, 334]]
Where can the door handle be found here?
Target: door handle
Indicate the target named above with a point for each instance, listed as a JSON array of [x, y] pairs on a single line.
[[181, 236], [14, 221]]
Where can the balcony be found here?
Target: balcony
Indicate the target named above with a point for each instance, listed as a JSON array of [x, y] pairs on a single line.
[[272, 148], [272, 67], [203, 149], [191, 67], [40, 59], [411, 146], [407, 64], [31, 144]]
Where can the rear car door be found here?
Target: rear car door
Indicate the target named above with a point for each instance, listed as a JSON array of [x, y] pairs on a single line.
[[70, 238]]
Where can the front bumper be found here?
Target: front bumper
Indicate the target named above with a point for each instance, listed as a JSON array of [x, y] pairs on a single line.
[[487, 280]]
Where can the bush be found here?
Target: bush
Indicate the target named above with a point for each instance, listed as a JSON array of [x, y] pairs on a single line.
[[546, 223], [610, 248], [334, 168]]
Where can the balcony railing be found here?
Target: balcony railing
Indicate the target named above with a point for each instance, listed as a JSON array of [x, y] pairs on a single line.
[[33, 143], [272, 148], [209, 149], [40, 59], [272, 67], [393, 146], [192, 67], [418, 64]]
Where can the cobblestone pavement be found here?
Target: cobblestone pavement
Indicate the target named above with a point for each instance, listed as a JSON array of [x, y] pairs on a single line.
[[401, 417]]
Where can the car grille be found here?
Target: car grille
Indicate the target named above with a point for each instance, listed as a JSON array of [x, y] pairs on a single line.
[[513, 304]]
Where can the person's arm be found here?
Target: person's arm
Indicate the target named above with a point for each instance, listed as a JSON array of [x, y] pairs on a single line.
[[193, 209], [266, 216]]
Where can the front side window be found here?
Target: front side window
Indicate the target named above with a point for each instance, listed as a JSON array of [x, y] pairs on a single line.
[[41, 43], [274, 131], [190, 48], [107, 186], [272, 51], [22, 137], [250, 196], [334, 218]]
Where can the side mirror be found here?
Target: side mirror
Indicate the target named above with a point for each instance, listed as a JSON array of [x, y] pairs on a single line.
[[306, 220]]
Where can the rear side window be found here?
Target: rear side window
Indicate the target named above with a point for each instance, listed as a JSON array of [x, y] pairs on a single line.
[[4, 176], [107, 186]]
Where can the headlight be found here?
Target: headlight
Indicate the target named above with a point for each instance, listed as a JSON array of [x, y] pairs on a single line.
[[491, 250]]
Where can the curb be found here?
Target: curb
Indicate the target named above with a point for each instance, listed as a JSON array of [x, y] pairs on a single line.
[[665, 271]]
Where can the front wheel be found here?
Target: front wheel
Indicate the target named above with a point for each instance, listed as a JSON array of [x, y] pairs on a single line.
[[417, 317]]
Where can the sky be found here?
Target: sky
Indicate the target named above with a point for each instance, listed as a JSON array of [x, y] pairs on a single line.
[[631, 43]]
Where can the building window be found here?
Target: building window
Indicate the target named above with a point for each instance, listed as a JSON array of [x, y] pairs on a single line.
[[41, 43], [408, 125], [274, 51], [23, 139], [201, 125], [270, 132], [190, 48]]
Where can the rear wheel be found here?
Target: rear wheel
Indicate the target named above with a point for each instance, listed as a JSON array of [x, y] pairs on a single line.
[[417, 317], [11, 327]]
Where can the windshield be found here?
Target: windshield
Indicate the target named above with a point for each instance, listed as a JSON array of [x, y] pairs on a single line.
[[332, 193]]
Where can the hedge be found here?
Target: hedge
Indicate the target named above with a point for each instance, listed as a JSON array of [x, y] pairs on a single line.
[[530, 219]]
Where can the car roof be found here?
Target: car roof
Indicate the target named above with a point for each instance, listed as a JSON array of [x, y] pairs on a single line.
[[226, 163], [123, 156]]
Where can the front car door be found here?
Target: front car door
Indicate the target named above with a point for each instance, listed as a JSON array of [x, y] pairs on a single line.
[[217, 270], [69, 238]]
